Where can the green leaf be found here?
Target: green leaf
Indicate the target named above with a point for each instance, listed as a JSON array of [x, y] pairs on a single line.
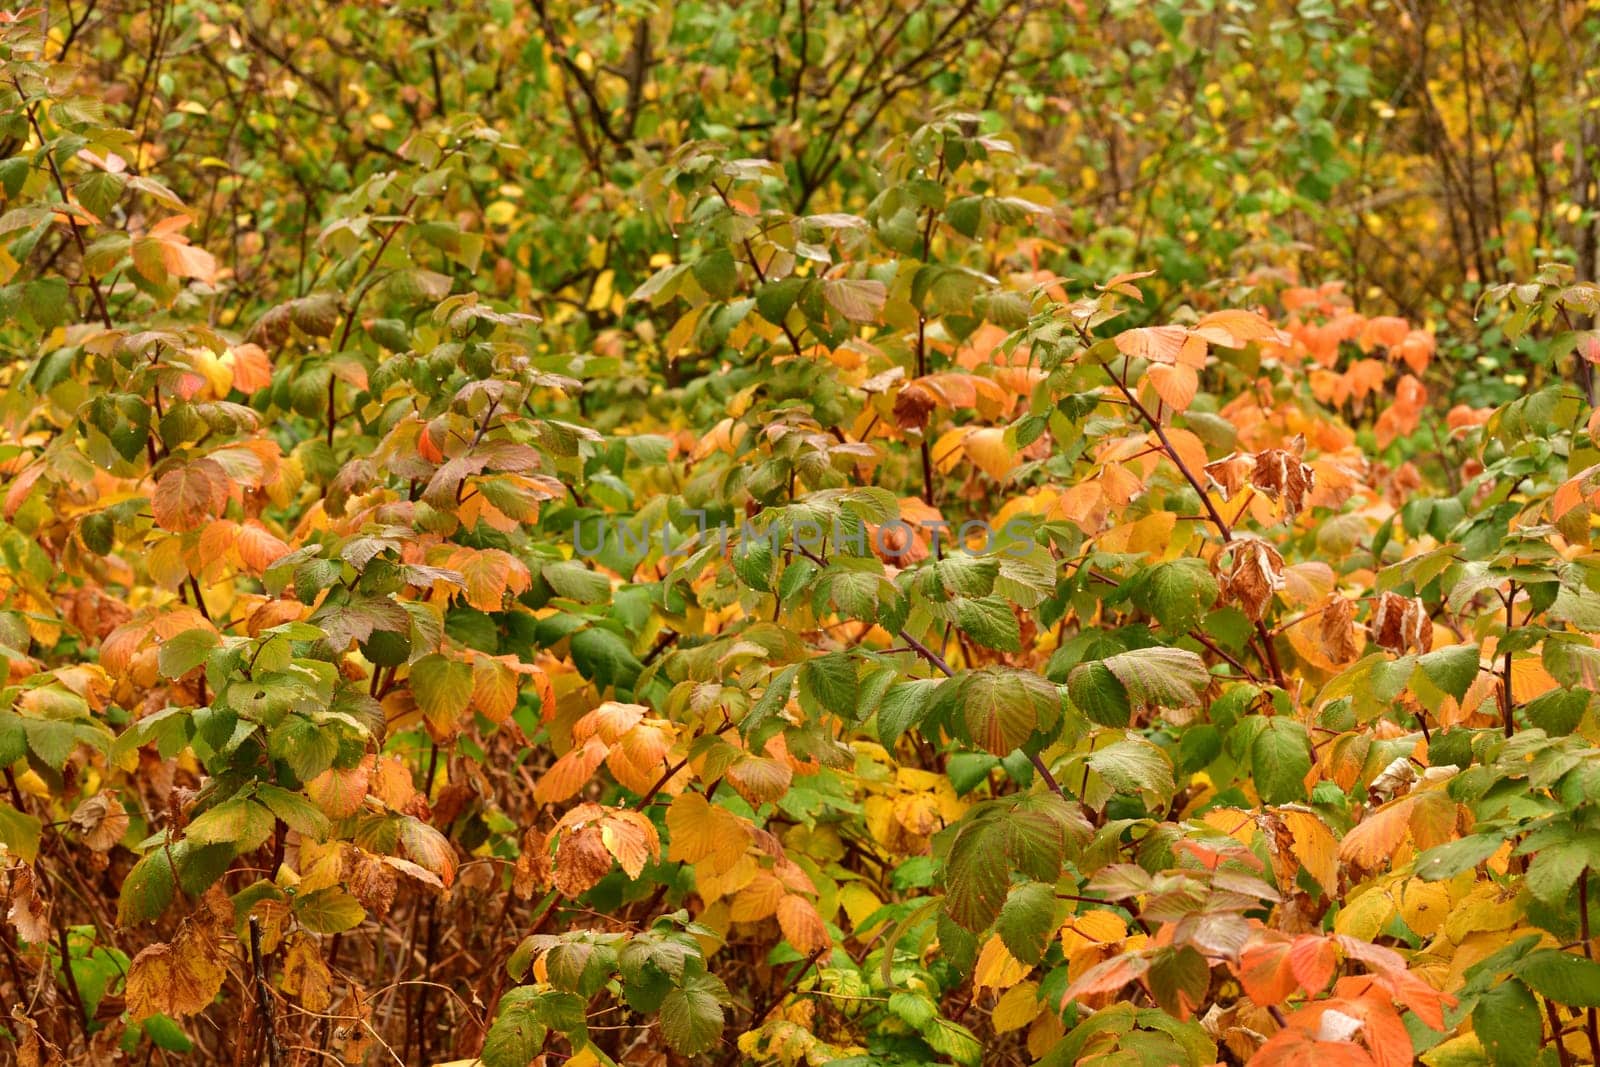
[[1563, 977], [148, 889], [772, 700], [516, 1036], [1280, 759], [904, 707], [20, 832], [604, 658], [1574, 664], [1132, 766], [307, 748], [244, 824], [1001, 707], [691, 1015], [1160, 676], [573, 580], [1507, 1022], [1452, 669], [753, 561], [953, 1040], [329, 911], [183, 652], [913, 1008], [13, 738], [443, 688], [1450, 859], [717, 273], [990, 622], [581, 967], [1555, 869], [1179, 978], [832, 680], [166, 1034], [1028, 920], [1177, 593], [297, 811], [1099, 694], [53, 740], [975, 874]]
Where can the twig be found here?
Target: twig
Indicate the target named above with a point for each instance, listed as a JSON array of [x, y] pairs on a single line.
[[263, 994]]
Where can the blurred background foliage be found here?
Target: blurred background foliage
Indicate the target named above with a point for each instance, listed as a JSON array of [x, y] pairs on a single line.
[[1420, 150]]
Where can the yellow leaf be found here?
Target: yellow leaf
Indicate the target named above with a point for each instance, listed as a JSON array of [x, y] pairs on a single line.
[[306, 976], [168, 980], [600, 295], [997, 968], [631, 838], [1149, 535], [1366, 915], [859, 903], [1488, 908], [1424, 905], [1017, 1007], [1045, 1034], [702, 833], [1314, 846], [988, 450], [1091, 930], [759, 899], [1463, 1049]]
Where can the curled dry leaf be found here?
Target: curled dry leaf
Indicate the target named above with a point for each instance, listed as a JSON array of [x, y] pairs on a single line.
[[1256, 574], [102, 820], [582, 859], [534, 869], [1281, 475], [1230, 474], [1336, 630], [29, 913], [371, 881], [1401, 624]]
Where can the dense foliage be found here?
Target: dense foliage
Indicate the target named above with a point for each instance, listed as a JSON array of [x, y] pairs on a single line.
[[838, 531]]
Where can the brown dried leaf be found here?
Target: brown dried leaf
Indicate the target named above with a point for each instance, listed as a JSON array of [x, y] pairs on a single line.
[[29, 912], [102, 820], [534, 866], [1279, 474], [582, 860], [371, 881], [1401, 624], [1230, 473], [1256, 574], [1336, 630]]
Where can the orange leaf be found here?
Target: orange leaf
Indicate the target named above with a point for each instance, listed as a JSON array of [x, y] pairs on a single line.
[[1235, 328], [570, 773], [802, 926], [1175, 383], [186, 497], [1160, 344], [1374, 840]]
